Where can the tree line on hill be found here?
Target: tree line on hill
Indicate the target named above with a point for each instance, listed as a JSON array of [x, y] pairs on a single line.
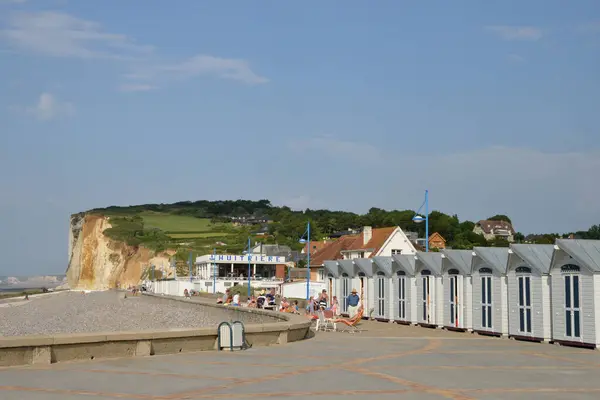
[[288, 226]]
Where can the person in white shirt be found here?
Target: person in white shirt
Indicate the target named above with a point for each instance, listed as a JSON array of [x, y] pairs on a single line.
[[236, 299], [313, 302]]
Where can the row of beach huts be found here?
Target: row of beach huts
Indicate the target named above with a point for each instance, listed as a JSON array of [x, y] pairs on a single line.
[[547, 293]]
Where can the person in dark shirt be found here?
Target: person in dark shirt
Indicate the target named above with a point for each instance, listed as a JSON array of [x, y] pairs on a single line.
[[352, 303]]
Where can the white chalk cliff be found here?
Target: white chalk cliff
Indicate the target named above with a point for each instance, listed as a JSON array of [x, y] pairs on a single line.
[[97, 262]]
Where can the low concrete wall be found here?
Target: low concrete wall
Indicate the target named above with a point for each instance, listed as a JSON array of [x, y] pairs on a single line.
[[22, 350]]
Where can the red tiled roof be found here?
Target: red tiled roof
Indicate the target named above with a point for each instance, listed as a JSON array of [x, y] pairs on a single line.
[[351, 243], [316, 246], [436, 235]]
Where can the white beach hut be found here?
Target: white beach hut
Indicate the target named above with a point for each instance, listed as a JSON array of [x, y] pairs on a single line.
[[458, 289], [365, 274], [333, 280], [349, 280], [428, 273], [405, 290], [529, 304], [575, 277], [490, 292], [384, 288]]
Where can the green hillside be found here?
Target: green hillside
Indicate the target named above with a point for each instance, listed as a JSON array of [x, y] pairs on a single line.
[[202, 225]]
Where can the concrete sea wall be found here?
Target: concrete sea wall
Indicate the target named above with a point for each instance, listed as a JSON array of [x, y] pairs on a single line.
[[25, 350]]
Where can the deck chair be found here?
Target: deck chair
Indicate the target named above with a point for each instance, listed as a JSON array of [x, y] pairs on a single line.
[[323, 323], [351, 323]]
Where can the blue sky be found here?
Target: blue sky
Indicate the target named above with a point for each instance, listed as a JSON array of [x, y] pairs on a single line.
[[492, 106]]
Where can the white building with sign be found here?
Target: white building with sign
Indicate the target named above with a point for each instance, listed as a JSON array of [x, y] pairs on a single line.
[[236, 266]]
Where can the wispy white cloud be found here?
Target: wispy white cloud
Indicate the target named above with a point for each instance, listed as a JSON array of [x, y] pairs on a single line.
[[49, 107], [136, 87], [507, 32], [200, 65], [62, 35], [59, 34]]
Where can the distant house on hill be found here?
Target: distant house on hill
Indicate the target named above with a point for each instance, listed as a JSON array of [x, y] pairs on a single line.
[[370, 243], [437, 241], [272, 250], [495, 229], [339, 234]]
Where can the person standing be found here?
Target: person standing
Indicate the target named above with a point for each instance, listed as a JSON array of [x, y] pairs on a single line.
[[352, 302], [323, 300]]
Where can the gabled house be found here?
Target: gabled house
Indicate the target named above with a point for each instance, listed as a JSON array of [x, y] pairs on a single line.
[[495, 229], [437, 241], [368, 244]]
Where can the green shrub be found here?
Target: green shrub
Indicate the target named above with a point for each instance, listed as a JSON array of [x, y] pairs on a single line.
[[242, 290]]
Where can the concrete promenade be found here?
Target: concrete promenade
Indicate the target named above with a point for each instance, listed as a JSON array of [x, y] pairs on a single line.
[[385, 361]]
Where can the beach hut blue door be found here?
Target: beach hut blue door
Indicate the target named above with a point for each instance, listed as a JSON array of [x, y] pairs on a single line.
[[524, 281], [401, 276], [572, 310], [486, 297], [426, 281], [454, 308]]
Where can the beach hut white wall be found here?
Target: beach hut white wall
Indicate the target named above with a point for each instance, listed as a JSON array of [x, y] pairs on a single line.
[[365, 274], [332, 279], [490, 292], [384, 288], [575, 278], [458, 289], [428, 273], [405, 289], [529, 303], [349, 280]]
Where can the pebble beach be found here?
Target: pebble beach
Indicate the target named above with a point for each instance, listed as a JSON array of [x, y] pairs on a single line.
[[76, 312]]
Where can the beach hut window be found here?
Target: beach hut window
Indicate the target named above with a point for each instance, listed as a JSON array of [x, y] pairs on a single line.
[[524, 304], [426, 272], [453, 272], [401, 294], [380, 294], [523, 270], [426, 280], [486, 301], [345, 291], [572, 299], [570, 268], [362, 278], [485, 270], [453, 299]]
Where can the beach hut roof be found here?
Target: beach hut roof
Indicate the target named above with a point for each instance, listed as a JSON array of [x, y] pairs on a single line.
[[459, 259], [585, 252], [431, 260], [495, 257], [404, 262], [536, 256]]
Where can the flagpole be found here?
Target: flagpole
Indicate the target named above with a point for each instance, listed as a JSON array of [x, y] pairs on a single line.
[[308, 263], [249, 266], [190, 263], [215, 272]]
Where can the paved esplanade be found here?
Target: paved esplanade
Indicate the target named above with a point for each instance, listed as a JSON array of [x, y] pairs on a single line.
[[384, 362]]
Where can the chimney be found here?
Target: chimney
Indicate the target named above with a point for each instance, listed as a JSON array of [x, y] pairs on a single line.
[[367, 234]]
